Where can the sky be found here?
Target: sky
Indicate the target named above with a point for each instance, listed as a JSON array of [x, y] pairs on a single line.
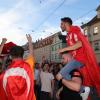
[[41, 18]]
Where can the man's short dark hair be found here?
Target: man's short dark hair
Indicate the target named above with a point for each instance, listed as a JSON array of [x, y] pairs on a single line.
[[67, 19], [17, 51]]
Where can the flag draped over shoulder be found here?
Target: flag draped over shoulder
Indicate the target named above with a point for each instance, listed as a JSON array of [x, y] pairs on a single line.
[[17, 83], [91, 71]]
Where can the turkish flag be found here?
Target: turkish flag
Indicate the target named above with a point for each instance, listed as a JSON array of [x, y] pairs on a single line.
[[91, 71], [17, 82]]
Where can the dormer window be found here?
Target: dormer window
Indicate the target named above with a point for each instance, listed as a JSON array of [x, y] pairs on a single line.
[[95, 30], [86, 32]]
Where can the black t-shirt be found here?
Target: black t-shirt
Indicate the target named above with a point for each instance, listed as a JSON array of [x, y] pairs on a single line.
[[68, 94]]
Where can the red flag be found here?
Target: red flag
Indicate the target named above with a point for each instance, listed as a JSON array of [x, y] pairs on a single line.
[[17, 83], [91, 71]]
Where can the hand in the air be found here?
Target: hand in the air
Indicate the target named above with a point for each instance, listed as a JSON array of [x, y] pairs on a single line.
[[4, 40], [29, 38]]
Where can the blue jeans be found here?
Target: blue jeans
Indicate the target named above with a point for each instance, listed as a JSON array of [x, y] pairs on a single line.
[[70, 66]]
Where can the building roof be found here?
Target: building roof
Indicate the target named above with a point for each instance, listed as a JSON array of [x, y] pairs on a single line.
[[98, 8], [92, 21], [46, 41]]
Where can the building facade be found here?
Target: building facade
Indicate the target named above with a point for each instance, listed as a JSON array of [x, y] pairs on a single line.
[[48, 47], [42, 48], [58, 43], [92, 30]]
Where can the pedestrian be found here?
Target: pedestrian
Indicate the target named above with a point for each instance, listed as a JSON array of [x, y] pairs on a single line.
[[47, 83]]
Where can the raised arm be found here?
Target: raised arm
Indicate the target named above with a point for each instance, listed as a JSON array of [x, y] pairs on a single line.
[[2, 44], [29, 38], [30, 59]]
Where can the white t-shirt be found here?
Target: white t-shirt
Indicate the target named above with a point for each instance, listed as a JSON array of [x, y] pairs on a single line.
[[46, 79]]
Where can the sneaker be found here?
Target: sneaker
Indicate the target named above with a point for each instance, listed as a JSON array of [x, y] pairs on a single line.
[[86, 93]]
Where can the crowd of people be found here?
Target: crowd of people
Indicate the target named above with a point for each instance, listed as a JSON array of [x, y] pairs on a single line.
[[22, 78], [46, 84]]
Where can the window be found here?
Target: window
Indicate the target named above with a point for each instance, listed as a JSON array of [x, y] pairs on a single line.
[[96, 46], [85, 32], [59, 46], [59, 56], [95, 30], [55, 39], [55, 56], [52, 57], [55, 47], [52, 49]]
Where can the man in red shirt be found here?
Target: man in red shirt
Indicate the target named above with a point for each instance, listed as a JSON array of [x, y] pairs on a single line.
[[83, 55], [17, 82]]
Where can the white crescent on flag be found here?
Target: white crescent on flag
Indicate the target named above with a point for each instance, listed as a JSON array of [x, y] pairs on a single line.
[[16, 72]]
